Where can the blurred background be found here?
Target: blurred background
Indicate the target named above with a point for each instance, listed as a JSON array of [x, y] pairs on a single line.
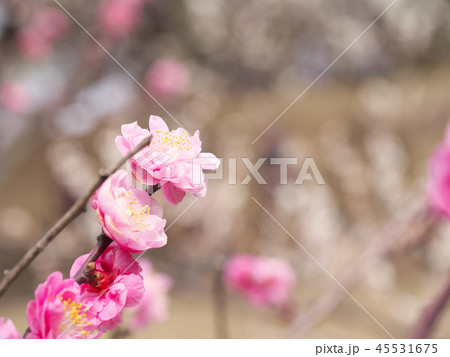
[[229, 69]]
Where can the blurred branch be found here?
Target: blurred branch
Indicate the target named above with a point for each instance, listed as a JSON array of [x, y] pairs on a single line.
[[417, 237], [74, 211], [120, 333], [431, 313], [415, 220]]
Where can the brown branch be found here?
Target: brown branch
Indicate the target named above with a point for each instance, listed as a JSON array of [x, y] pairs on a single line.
[[431, 314], [84, 274], [74, 211], [27, 331]]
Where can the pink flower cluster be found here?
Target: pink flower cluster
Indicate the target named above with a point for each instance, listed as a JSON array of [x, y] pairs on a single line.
[[134, 222], [264, 281], [119, 284], [64, 309], [173, 159], [47, 26]]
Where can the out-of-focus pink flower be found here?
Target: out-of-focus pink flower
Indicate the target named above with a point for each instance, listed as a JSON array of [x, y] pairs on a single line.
[[14, 97], [439, 181], [51, 23], [119, 18], [129, 215], [47, 25], [57, 311], [173, 159], [33, 44], [166, 79], [264, 281], [118, 285], [154, 305], [8, 330]]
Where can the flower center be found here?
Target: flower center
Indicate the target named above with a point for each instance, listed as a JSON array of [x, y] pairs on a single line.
[[75, 320], [171, 139], [137, 212], [103, 280]]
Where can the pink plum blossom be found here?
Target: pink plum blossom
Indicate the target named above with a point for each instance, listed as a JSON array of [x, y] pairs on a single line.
[[8, 330], [119, 18], [154, 305], [129, 215], [166, 79], [264, 281], [173, 159], [439, 181], [58, 312], [14, 97], [118, 285], [47, 25], [51, 23], [33, 44]]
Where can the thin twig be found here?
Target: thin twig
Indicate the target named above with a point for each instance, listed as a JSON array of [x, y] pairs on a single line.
[[430, 315], [74, 211], [27, 331]]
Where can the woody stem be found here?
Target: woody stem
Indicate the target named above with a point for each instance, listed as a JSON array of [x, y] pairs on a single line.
[[83, 275]]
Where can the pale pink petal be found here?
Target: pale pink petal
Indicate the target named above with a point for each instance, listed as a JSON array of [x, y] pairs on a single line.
[[172, 194], [156, 123]]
